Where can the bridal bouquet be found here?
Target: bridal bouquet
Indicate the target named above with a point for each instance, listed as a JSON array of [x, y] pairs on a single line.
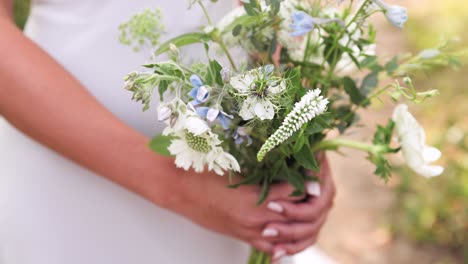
[[308, 67]]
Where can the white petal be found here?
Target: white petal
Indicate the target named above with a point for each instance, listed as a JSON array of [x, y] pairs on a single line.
[[177, 146], [246, 111], [196, 125], [431, 154], [264, 109], [212, 114], [430, 171], [238, 83]]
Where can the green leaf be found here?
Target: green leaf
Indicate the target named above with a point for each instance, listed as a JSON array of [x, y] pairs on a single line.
[[369, 83], [300, 142], [307, 159], [160, 143], [264, 192], [183, 40], [242, 21], [392, 66], [236, 30], [215, 73], [383, 135], [351, 89], [297, 180]]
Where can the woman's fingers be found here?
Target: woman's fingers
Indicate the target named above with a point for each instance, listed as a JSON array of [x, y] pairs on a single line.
[[314, 206], [297, 246], [263, 246], [284, 232], [282, 192]]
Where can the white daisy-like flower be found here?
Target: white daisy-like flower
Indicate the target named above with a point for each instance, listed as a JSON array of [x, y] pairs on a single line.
[[192, 151], [196, 146], [311, 105], [258, 88], [412, 138]]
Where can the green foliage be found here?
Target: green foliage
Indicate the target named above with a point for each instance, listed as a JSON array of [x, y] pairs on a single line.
[[21, 12], [160, 143], [436, 211], [182, 40], [142, 30]]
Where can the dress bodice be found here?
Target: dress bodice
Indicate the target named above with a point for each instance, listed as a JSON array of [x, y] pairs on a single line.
[[83, 37]]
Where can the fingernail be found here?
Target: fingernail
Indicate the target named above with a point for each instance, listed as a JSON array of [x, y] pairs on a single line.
[[275, 207], [279, 254], [270, 232], [313, 188]]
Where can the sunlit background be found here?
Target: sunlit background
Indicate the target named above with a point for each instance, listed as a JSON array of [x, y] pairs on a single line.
[[409, 219]]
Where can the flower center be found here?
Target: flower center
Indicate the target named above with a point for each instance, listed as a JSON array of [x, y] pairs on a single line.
[[197, 143], [259, 89]]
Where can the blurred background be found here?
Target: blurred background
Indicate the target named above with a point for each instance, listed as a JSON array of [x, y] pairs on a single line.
[[410, 219]]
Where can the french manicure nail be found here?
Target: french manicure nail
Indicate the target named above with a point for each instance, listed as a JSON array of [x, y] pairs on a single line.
[[270, 232], [279, 254], [275, 207], [313, 188]]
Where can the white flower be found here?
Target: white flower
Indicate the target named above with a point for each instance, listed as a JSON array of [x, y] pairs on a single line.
[[195, 152], [310, 106], [412, 138], [196, 146], [397, 15], [257, 88]]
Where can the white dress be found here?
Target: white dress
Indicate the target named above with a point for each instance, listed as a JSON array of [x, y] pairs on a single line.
[[53, 211]]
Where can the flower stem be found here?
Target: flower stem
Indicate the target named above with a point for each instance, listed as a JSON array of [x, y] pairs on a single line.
[[226, 51], [219, 40], [206, 13], [333, 144]]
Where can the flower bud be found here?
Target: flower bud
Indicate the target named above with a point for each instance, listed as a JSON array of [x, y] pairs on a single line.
[[174, 52], [226, 74], [428, 54], [164, 113], [397, 15]]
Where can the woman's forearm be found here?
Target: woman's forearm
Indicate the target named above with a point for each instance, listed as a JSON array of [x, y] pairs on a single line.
[[6, 8], [43, 100]]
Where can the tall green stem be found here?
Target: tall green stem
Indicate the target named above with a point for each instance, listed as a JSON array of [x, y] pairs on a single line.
[[206, 13], [219, 40], [226, 51], [333, 144]]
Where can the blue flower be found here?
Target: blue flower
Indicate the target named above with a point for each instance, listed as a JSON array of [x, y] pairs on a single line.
[[213, 114], [396, 15], [200, 92], [302, 24], [240, 136]]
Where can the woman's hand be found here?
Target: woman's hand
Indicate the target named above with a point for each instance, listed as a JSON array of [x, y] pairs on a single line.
[[307, 218], [206, 200]]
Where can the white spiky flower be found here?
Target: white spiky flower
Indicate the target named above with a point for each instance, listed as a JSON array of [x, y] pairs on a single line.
[[311, 105]]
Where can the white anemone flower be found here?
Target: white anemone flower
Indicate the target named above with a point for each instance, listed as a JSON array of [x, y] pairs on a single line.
[[412, 138], [258, 88]]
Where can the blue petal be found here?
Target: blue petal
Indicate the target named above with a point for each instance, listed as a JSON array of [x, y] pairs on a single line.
[[224, 121], [202, 111], [193, 93], [202, 94], [196, 81], [239, 140]]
